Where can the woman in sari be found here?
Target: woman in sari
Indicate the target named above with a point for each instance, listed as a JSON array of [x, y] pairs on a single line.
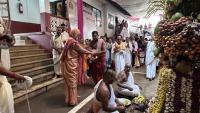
[[70, 65]]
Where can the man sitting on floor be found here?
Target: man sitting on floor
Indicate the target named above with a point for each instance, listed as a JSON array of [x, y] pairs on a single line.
[[104, 97], [126, 84]]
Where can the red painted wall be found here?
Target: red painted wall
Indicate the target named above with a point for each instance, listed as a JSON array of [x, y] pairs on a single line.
[[22, 27]]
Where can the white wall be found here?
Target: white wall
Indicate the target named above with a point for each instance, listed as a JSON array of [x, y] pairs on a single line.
[[105, 8], [115, 12], [44, 6], [31, 11], [99, 5]]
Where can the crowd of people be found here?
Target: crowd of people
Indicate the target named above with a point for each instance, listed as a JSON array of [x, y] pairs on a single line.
[[105, 60]]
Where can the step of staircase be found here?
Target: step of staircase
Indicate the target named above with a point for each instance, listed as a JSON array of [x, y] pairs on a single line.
[[26, 52], [29, 58], [32, 64], [37, 79], [24, 47], [43, 77], [33, 72], [37, 89]]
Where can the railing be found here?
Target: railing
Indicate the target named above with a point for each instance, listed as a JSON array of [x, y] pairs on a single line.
[[5, 14]]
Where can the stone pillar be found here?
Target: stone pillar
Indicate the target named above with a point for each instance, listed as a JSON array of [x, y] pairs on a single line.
[[45, 15], [105, 17], [80, 16]]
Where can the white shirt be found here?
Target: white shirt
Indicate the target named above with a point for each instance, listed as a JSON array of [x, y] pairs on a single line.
[[135, 46]]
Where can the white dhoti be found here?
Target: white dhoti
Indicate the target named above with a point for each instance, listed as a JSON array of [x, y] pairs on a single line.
[[133, 93], [57, 68], [151, 69], [128, 58], [128, 51], [57, 64], [58, 42], [130, 83], [108, 58], [151, 62], [6, 93], [119, 62], [6, 96], [142, 55]]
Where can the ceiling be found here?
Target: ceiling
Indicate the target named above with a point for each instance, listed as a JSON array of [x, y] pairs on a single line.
[[137, 8]]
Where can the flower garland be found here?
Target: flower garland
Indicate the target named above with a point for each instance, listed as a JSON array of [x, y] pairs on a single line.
[[166, 75], [120, 46], [178, 97], [169, 107], [177, 92], [188, 95]]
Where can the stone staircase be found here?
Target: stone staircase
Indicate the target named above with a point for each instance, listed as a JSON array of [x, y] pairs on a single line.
[[31, 60]]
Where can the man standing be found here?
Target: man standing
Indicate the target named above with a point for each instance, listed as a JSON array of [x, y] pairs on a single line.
[[135, 50], [129, 49], [6, 94], [108, 53], [58, 42], [119, 50], [104, 96], [98, 63], [151, 61]]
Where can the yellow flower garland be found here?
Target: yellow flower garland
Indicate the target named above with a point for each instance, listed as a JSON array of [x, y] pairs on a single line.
[[120, 46], [165, 76]]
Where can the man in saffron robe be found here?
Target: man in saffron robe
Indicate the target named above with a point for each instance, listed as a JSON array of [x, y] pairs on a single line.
[[98, 63], [70, 66]]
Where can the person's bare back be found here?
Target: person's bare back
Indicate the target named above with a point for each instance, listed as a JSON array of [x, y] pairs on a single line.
[[105, 95]]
